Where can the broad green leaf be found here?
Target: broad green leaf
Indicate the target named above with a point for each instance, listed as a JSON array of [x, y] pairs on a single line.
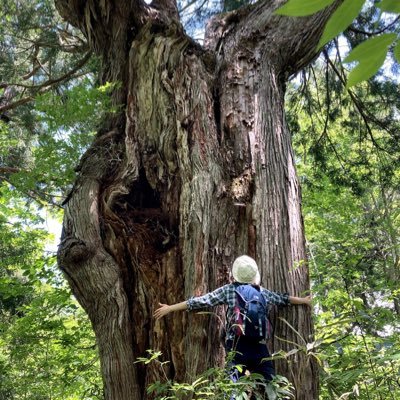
[[371, 55], [341, 19], [365, 70], [371, 48], [396, 51], [301, 8], [392, 6]]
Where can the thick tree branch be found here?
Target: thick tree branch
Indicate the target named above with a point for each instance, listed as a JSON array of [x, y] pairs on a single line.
[[294, 39]]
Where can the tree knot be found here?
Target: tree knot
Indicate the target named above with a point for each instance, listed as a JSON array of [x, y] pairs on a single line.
[[74, 252]]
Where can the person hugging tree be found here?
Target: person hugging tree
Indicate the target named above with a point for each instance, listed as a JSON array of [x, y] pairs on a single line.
[[247, 322]]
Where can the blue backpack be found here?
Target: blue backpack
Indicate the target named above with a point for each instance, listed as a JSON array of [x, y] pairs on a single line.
[[250, 317]]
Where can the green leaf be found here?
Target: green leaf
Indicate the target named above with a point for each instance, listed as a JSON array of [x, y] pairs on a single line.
[[340, 20], [396, 52], [301, 8], [368, 49], [370, 55], [391, 6]]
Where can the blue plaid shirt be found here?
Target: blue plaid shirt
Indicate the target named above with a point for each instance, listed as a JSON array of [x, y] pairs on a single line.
[[226, 295]]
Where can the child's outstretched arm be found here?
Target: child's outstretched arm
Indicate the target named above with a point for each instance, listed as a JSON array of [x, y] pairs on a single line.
[[165, 309], [300, 300]]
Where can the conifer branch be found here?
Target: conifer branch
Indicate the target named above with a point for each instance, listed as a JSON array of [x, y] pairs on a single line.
[[43, 87]]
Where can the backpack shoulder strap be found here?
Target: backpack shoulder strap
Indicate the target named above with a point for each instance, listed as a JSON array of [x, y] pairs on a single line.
[[247, 292], [241, 291]]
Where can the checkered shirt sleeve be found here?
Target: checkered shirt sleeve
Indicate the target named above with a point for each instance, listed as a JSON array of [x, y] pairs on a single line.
[[279, 299], [219, 296], [226, 295]]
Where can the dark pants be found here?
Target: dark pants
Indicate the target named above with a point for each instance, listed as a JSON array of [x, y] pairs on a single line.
[[251, 355]]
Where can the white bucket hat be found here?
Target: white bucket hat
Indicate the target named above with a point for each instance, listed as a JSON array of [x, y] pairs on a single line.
[[245, 270]]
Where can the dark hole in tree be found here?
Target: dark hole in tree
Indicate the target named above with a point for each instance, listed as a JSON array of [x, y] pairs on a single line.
[[142, 194]]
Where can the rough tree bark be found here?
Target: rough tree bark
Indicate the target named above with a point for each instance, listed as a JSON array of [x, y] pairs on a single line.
[[196, 170]]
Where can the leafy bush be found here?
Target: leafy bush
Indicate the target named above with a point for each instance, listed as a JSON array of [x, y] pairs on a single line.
[[216, 383]]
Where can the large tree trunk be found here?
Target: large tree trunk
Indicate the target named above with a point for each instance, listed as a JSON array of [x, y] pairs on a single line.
[[198, 170]]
